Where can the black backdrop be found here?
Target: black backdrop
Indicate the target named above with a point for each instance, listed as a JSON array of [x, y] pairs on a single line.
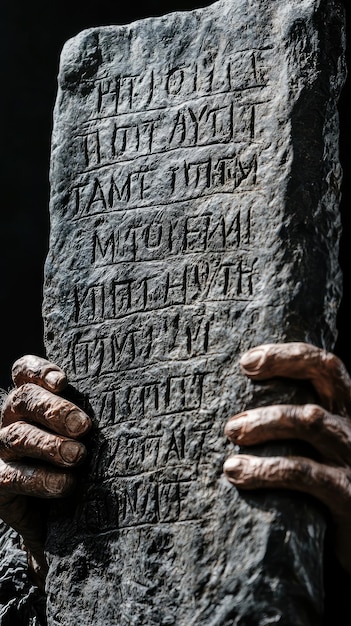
[[31, 37]]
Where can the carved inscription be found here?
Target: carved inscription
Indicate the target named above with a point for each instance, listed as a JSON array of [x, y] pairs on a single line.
[[199, 125], [188, 225], [136, 188], [158, 88], [163, 196], [222, 280], [160, 235]]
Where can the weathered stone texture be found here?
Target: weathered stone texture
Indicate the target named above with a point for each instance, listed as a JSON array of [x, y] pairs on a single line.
[[194, 214]]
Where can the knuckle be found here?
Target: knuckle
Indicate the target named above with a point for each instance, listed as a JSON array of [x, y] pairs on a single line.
[[12, 438], [25, 367], [10, 432], [331, 362], [313, 415], [329, 359], [294, 472], [336, 483], [343, 481], [23, 400], [6, 440], [17, 397], [305, 471]]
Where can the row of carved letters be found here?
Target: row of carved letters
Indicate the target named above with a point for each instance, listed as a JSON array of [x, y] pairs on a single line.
[[160, 236], [138, 502], [188, 127], [155, 88], [132, 187], [136, 452], [151, 396], [184, 285]]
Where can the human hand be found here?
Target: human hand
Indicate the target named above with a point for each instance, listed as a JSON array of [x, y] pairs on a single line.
[[326, 427], [38, 451]]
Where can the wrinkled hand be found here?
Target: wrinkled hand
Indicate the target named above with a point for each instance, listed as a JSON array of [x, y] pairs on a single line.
[[38, 450], [327, 428]]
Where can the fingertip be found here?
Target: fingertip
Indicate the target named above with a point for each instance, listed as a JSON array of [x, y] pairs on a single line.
[[77, 423], [231, 431], [34, 369], [55, 380], [58, 484], [235, 424], [228, 430], [72, 452], [252, 360], [235, 467], [232, 466]]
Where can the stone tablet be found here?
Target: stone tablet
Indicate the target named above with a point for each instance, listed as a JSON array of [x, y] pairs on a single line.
[[194, 214]]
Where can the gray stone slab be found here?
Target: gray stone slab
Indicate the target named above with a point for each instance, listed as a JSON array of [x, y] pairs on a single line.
[[194, 214]]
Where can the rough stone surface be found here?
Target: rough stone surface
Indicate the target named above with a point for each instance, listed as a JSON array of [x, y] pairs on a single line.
[[194, 214], [21, 603]]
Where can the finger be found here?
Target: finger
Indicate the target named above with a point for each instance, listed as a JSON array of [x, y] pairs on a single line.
[[329, 434], [20, 440], [34, 369], [38, 405], [306, 362], [23, 479], [330, 485]]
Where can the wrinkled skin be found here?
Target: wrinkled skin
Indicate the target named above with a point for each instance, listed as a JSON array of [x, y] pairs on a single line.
[[39, 447], [38, 451], [327, 427]]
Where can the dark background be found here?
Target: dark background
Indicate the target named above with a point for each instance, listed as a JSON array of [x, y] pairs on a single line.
[[31, 37]]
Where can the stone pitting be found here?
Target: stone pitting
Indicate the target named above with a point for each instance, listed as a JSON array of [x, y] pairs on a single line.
[[192, 217]]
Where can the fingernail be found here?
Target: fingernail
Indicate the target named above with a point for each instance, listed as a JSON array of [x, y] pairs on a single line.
[[58, 484], [252, 359], [54, 379], [234, 425], [71, 451], [76, 422], [233, 467]]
